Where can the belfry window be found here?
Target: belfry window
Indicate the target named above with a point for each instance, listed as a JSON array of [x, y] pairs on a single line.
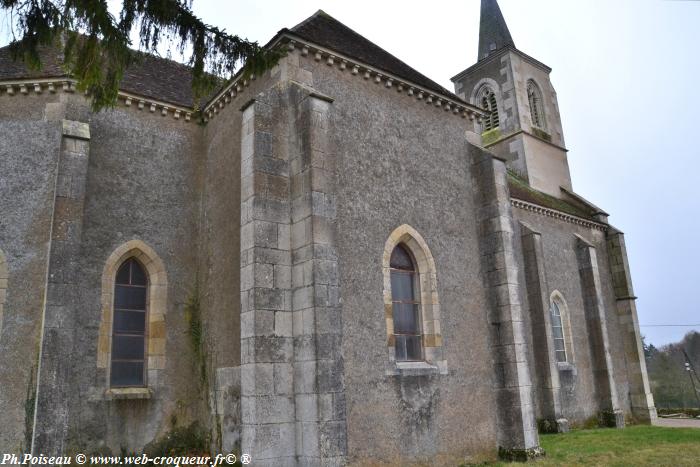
[[129, 326], [406, 306], [487, 100], [534, 97], [558, 333]]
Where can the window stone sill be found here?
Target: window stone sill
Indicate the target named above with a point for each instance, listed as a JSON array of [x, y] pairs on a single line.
[[568, 367], [418, 369], [128, 393]]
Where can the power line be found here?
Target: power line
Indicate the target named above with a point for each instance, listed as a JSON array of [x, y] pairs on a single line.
[[668, 325]]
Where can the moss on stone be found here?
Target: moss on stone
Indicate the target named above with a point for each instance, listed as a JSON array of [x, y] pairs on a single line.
[[547, 426], [490, 136], [195, 329], [189, 440], [542, 134], [607, 419], [520, 189], [520, 455], [29, 408]]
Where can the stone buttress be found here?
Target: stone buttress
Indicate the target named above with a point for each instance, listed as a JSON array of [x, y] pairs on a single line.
[[59, 327], [292, 390], [517, 430], [641, 399]]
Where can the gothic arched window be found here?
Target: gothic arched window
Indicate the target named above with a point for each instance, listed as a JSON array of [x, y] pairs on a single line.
[[405, 299], [534, 97], [129, 326], [487, 101], [558, 333]]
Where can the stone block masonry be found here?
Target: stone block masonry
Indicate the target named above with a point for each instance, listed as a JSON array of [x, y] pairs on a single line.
[[51, 423], [538, 297], [611, 413], [317, 323], [517, 431], [267, 405], [641, 399], [292, 392]]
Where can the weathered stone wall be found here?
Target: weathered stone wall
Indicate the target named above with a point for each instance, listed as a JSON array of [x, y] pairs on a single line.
[[579, 388], [400, 161], [548, 166], [143, 183], [497, 74], [523, 71], [220, 260], [537, 158], [29, 151], [135, 177], [219, 282]]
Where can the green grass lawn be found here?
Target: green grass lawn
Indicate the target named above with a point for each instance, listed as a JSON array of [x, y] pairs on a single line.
[[635, 445]]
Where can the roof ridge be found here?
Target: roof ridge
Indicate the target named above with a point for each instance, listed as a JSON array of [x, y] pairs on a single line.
[[348, 47], [319, 12]]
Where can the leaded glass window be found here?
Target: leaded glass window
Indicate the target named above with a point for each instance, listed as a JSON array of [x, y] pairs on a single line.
[[405, 306], [129, 326], [558, 333]]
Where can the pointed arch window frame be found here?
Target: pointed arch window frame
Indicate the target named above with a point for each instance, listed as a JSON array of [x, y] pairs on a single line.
[[557, 299], [535, 100], [433, 360], [155, 328]]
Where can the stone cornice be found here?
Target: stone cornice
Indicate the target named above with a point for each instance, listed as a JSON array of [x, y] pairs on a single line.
[[537, 209], [499, 53], [305, 48], [62, 84], [228, 94], [525, 132]]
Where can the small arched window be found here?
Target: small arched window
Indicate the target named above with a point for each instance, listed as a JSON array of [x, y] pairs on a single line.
[[129, 326], [487, 100], [534, 97], [558, 332], [405, 298]]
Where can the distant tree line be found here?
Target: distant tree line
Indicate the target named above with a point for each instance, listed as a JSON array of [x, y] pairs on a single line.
[[670, 380]]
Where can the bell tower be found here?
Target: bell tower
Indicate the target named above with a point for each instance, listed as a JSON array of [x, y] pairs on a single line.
[[524, 126]]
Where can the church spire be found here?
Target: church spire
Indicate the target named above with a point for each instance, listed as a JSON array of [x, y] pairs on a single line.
[[493, 30]]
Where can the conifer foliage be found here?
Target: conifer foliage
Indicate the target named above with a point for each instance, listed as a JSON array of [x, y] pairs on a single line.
[[97, 46]]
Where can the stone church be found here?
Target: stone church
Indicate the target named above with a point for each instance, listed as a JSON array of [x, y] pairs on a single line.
[[339, 262]]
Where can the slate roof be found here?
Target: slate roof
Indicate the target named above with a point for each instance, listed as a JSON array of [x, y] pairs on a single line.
[[50, 61], [326, 31], [149, 76], [171, 82], [493, 30]]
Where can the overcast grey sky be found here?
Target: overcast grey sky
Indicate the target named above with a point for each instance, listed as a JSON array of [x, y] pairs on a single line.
[[625, 72]]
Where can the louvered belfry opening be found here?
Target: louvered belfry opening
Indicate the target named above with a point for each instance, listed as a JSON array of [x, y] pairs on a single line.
[[534, 97], [488, 103]]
